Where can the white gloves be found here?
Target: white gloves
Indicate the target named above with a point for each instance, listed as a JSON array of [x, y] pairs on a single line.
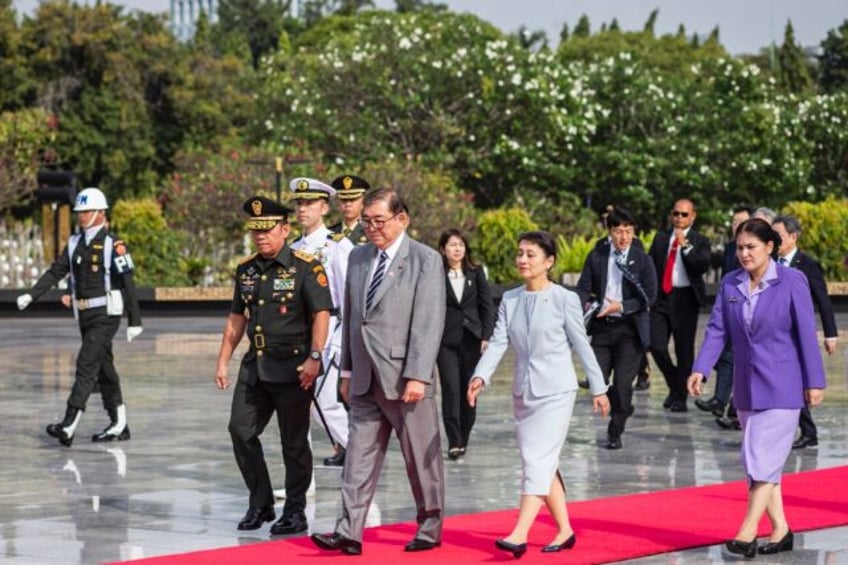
[[24, 300], [133, 332]]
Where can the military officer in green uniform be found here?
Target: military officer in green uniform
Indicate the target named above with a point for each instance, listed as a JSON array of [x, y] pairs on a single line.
[[350, 191], [282, 299], [101, 284]]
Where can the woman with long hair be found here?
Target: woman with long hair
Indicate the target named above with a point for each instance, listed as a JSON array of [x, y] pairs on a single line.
[[469, 321]]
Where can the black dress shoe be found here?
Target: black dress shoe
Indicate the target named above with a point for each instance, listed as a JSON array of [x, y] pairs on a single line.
[[678, 407], [583, 384], [667, 402], [642, 384], [337, 542], [454, 453], [289, 524], [419, 544], [614, 442], [255, 517], [728, 423], [554, 547], [805, 441], [748, 549], [517, 549], [336, 460], [785, 544], [710, 405]]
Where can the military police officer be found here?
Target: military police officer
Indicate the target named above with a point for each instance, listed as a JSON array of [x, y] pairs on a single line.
[[282, 300], [332, 249], [350, 191], [101, 283]]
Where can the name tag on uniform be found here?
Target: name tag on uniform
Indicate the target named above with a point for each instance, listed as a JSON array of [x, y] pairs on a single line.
[[284, 284]]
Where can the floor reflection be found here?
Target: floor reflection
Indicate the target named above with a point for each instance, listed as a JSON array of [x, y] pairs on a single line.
[[174, 487]]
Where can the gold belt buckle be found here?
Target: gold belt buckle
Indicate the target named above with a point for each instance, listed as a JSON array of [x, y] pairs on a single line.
[[82, 304], [259, 341]]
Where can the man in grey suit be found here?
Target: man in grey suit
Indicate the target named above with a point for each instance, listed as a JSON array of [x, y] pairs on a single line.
[[391, 330]]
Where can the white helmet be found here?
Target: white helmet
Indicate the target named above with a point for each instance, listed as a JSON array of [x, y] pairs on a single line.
[[90, 199]]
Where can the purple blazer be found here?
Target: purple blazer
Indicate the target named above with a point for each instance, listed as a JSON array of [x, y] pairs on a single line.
[[779, 357]]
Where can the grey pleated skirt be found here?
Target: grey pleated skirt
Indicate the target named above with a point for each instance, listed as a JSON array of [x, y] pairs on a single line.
[[541, 426]]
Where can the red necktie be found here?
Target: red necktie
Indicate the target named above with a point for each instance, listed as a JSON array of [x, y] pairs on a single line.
[[669, 268]]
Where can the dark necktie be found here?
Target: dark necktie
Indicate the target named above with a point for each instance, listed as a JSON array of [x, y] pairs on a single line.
[[669, 268], [379, 273], [782, 261]]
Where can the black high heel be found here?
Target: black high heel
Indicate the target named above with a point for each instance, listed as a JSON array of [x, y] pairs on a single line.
[[517, 549], [745, 548], [554, 547], [785, 544]]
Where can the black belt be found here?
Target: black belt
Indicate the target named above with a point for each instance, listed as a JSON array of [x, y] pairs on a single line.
[[612, 320]]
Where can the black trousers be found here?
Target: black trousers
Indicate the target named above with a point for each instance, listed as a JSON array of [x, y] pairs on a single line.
[[808, 426], [251, 411], [619, 352], [95, 362], [456, 365], [675, 315]]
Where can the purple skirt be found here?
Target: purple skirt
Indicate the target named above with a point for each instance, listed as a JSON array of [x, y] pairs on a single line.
[[767, 437]]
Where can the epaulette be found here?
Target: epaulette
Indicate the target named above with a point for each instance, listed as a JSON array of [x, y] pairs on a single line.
[[303, 255], [248, 259], [337, 237]]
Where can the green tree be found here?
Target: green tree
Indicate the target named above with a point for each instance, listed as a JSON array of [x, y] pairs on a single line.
[[497, 239], [155, 247], [24, 136], [833, 61], [403, 6], [651, 22], [257, 22], [15, 85], [583, 27], [792, 72], [447, 88]]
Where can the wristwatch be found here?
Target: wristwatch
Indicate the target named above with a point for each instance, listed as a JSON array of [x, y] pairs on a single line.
[[316, 355]]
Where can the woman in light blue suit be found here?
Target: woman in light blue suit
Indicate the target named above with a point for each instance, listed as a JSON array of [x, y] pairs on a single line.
[[544, 323]]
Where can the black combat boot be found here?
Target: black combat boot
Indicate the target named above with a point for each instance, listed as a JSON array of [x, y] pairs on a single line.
[[64, 430]]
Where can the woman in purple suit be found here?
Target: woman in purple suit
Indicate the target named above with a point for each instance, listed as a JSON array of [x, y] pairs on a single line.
[[765, 311]]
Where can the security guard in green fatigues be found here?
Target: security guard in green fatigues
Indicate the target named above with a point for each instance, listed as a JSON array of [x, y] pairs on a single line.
[[350, 191], [282, 299], [101, 275]]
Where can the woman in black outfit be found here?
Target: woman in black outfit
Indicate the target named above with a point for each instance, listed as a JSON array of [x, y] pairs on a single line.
[[469, 322]]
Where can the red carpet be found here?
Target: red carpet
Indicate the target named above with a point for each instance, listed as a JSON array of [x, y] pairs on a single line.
[[608, 529]]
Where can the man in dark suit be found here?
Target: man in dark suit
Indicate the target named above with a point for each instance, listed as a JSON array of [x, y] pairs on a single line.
[[681, 256], [724, 366], [391, 330], [789, 229], [622, 280]]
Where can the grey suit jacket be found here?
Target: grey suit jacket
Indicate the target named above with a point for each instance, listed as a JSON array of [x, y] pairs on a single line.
[[398, 339]]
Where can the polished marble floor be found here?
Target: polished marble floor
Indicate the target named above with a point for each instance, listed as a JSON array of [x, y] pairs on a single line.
[[175, 487]]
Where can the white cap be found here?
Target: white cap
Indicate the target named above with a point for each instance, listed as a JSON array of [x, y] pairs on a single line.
[[310, 189], [90, 199]]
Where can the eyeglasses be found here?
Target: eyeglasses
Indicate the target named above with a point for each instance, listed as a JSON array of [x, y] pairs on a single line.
[[677, 214], [374, 223]]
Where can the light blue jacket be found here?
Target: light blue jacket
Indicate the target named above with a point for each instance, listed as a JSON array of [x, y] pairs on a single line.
[[543, 359]]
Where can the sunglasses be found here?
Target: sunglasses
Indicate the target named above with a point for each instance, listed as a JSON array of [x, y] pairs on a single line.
[[677, 214]]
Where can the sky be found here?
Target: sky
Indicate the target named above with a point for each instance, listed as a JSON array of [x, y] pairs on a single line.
[[745, 26]]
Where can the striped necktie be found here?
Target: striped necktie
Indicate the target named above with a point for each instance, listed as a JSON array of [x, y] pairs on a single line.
[[379, 274]]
